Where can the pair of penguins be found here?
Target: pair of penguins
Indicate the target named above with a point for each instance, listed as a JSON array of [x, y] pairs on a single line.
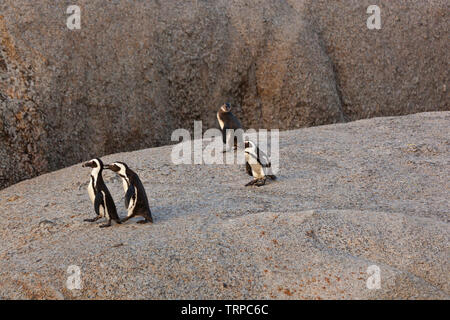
[[136, 200], [257, 165]]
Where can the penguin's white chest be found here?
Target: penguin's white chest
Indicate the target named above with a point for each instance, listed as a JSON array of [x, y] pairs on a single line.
[[257, 169], [91, 190], [125, 185], [220, 121]]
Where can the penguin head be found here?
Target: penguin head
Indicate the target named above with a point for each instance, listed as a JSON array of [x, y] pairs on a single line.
[[94, 163], [226, 107], [249, 145], [118, 167]]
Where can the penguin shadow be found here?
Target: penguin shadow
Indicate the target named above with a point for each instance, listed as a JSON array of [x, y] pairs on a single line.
[[157, 216], [133, 221]]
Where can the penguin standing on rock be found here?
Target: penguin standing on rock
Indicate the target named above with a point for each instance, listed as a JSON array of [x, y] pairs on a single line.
[[257, 165], [227, 120], [99, 194], [136, 200]]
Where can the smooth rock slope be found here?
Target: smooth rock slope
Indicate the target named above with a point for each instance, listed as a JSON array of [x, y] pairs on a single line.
[[371, 192]]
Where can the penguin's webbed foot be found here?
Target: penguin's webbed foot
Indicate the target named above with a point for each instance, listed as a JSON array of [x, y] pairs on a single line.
[[106, 225], [91, 220], [256, 182], [143, 221], [260, 182]]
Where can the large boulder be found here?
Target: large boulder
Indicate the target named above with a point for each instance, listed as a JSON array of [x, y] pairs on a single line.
[[137, 70], [350, 199]]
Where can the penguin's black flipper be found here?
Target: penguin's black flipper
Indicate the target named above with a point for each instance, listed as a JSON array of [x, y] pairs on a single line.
[[98, 202], [130, 194]]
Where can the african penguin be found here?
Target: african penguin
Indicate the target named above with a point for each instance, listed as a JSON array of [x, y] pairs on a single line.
[[99, 194], [227, 120], [136, 200], [257, 164]]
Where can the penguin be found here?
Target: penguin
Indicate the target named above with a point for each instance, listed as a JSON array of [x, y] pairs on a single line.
[[136, 200], [257, 164], [99, 194], [227, 120]]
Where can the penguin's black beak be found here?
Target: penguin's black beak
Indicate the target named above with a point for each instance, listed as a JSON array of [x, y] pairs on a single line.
[[87, 164], [112, 167]]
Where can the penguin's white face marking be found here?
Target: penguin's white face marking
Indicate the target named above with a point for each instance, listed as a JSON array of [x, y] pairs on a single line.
[[118, 168], [95, 171], [94, 163], [226, 107], [250, 147], [121, 170], [96, 166]]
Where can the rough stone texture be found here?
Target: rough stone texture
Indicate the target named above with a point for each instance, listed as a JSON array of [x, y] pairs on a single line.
[[137, 70], [370, 192]]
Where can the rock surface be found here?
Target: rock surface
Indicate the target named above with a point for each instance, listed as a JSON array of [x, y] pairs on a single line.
[[370, 192], [137, 70]]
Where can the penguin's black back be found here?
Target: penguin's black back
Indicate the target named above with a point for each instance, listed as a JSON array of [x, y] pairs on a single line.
[[230, 121]]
